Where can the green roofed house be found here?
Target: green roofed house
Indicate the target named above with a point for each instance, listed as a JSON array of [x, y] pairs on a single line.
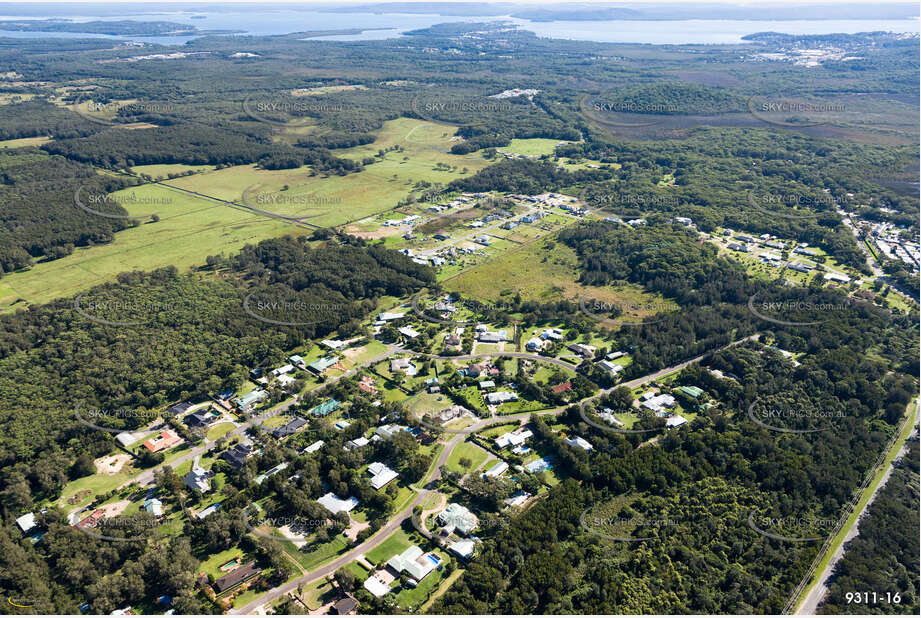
[[319, 366], [325, 408], [457, 518], [250, 399], [691, 391]]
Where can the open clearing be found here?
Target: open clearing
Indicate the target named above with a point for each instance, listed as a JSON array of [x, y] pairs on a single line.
[[192, 227], [546, 271]]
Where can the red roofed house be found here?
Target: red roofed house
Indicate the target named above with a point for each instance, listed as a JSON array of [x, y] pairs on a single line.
[[565, 387], [92, 520], [163, 441]]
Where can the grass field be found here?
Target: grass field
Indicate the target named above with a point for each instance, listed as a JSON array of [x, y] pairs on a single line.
[[336, 200], [219, 430], [545, 271], [393, 544], [192, 227], [24, 141], [471, 451], [163, 170], [536, 146]]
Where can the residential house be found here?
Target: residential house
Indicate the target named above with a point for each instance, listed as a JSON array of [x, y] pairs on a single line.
[[414, 562], [497, 470], [357, 443], [403, 364], [457, 518], [534, 345], [492, 337], [247, 402], [236, 577], [463, 549], [178, 409], [198, 478], [154, 507], [237, 454], [380, 474], [200, 418], [318, 366], [282, 370], [583, 350], [582, 443], [162, 441], [500, 397], [325, 408], [564, 387], [345, 606], [612, 368], [334, 504], [387, 316], [408, 331], [291, 427], [313, 448], [659, 403], [539, 465], [449, 414]]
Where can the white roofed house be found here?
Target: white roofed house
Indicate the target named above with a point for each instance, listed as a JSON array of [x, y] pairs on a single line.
[[612, 368], [414, 562], [658, 403], [198, 478], [497, 470], [380, 474], [500, 397], [457, 518], [334, 504], [580, 442], [514, 438]]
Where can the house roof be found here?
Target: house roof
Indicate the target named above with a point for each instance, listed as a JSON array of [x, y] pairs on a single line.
[[26, 522], [414, 561], [346, 605], [376, 586], [322, 364], [380, 474], [334, 504], [458, 517], [565, 387], [162, 441], [237, 576], [325, 408]]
